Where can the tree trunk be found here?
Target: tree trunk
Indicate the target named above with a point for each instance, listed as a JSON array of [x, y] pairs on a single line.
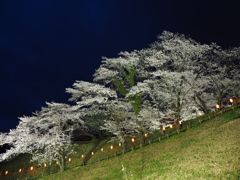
[[220, 98], [162, 130], [124, 144], [141, 137], [62, 163], [178, 125], [202, 105]]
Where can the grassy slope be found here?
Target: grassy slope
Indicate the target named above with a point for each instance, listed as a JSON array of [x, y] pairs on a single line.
[[208, 151]]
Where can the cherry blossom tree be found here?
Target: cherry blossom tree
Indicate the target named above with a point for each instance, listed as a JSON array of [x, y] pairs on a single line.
[[91, 99], [221, 71], [46, 135], [118, 121], [179, 74], [22, 139], [113, 113], [56, 123], [126, 78]]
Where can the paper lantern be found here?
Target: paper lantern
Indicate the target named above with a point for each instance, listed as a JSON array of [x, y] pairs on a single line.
[[133, 140], [92, 153], [119, 144], [171, 125], [101, 149], [69, 159], [217, 106], [111, 147], [31, 168], [6, 172], [146, 135], [82, 156], [20, 170], [45, 165]]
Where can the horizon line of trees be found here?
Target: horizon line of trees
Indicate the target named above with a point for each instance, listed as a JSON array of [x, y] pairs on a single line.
[[175, 78]]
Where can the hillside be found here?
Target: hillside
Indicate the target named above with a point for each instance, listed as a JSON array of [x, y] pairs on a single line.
[[207, 149]]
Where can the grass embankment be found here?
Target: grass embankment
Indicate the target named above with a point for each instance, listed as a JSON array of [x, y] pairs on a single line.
[[205, 149]]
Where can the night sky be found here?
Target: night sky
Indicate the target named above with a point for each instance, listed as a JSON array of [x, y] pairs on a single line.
[[45, 45]]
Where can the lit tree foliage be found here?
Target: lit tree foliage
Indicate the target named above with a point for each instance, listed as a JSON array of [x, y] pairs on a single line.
[[56, 123], [52, 127], [22, 139], [118, 121]]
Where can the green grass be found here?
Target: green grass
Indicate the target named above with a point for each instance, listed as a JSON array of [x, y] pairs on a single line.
[[206, 148]]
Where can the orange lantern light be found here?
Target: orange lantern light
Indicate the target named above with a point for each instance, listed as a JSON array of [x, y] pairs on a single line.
[[92, 153], [171, 125], [6, 172], [82, 156], [199, 114], [163, 128], [146, 135], [217, 106], [133, 140], [70, 159], [45, 165], [101, 149], [20, 170], [111, 147], [57, 162], [31, 168], [231, 100], [119, 144], [180, 122]]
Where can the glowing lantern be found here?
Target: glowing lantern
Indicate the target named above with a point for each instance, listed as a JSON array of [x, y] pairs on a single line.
[[92, 153], [133, 140], [217, 106], [199, 114], [31, 168], [82, 156], [146, 135], [163, 129], [57, 162], [70, 159], [231, 100], [171, 125], [101, 149], [119, 144], [180, 122], [45, 165], [111, 147], [20, 170], [6, 172]]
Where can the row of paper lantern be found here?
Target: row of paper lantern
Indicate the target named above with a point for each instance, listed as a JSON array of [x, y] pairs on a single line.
[[92, 153], [70, 159], [20, 170]]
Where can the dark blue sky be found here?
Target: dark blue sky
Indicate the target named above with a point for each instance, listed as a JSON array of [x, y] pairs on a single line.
[[45, 45]]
